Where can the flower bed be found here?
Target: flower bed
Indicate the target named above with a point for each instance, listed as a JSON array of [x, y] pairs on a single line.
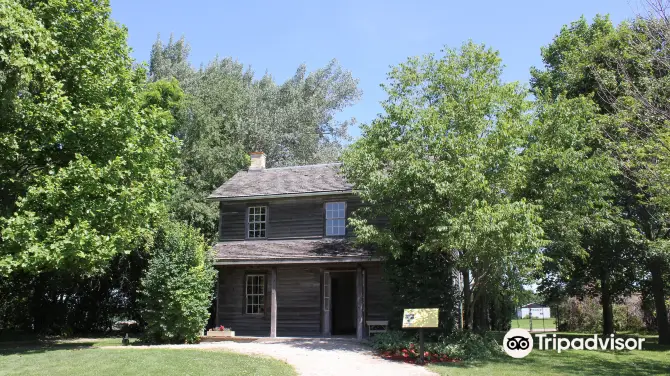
[[411, 355], [396, 345]]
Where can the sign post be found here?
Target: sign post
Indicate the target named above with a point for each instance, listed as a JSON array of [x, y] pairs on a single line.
[[420, 318]]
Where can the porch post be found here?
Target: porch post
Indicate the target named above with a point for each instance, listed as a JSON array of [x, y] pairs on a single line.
[[273, 303], [218, 299], [360, 302]]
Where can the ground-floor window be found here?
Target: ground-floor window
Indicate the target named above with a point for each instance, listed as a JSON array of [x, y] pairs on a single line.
[[255, 293]]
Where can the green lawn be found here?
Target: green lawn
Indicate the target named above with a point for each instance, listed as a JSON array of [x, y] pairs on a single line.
[[652, 360], [537, 323], [58, 359]]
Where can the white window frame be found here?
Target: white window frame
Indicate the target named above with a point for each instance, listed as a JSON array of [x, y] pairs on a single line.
[[335, 230], [257, 307], [252, 220]]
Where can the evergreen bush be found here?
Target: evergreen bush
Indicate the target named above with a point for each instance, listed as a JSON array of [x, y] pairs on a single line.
[[177, 289]]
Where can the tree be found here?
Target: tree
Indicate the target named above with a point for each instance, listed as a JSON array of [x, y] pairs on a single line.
[[229, 113], [63, 302], [603, 62], [443, 166], [423, 279], [177, 288], [170, 61], [571, 175], [642, 143], [85, 167]]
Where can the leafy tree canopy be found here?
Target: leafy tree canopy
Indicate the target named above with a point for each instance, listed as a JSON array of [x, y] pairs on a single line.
[[86, 165], [444, 166], [228, 113], [622, 70]]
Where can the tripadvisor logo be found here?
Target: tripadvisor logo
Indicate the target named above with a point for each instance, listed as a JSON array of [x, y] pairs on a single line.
[[519, 342]]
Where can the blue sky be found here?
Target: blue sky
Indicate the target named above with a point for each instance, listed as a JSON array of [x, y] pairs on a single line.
[[366, 37]]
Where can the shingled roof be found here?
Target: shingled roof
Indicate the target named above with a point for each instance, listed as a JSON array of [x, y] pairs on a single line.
[[291, 251], [322, 178]]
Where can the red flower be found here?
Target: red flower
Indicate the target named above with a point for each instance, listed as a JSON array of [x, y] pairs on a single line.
[[221, 328]]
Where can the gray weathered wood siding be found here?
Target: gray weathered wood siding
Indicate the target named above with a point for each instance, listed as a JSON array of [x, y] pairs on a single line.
[[296, 218], [232, 221], [299, 298], [230, 303], [288, 218], [298, 301]]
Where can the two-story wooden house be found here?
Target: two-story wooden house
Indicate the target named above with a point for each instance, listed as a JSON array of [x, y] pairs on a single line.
[[287, 266]]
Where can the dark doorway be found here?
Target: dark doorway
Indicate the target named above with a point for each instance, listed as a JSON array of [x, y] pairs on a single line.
[[343, 310]]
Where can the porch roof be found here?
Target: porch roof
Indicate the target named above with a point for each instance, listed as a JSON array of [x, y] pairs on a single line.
[[294, 251]]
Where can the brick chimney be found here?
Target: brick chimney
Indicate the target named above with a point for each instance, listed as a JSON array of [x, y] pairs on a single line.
[[257, 161]]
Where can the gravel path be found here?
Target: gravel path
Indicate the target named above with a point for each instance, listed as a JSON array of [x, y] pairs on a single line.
[[322, 357]]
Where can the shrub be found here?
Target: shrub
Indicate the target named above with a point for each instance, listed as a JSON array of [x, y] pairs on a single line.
[[177, 289], [586, 315], [628, 317], [392, 340], [460, 345], [469, 346], [581, 315]]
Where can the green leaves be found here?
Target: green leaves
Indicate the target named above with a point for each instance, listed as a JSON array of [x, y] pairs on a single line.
[[227, 113], [87, 213], [444, 165], [177, 289], [88, 165], [575, 167]]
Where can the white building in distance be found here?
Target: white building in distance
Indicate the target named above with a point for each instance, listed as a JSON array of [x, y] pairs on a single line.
[[534, 310]]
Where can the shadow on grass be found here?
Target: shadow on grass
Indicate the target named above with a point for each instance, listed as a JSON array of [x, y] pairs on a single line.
[[37, 348]]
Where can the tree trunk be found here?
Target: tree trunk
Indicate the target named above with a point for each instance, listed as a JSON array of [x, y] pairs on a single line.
[[37, 308], [467, 300], [656, 269], [606, 301], [479, 313], [483, 313]]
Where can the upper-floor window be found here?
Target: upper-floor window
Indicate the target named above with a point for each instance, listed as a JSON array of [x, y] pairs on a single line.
[[256, 221], [335, 218]]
